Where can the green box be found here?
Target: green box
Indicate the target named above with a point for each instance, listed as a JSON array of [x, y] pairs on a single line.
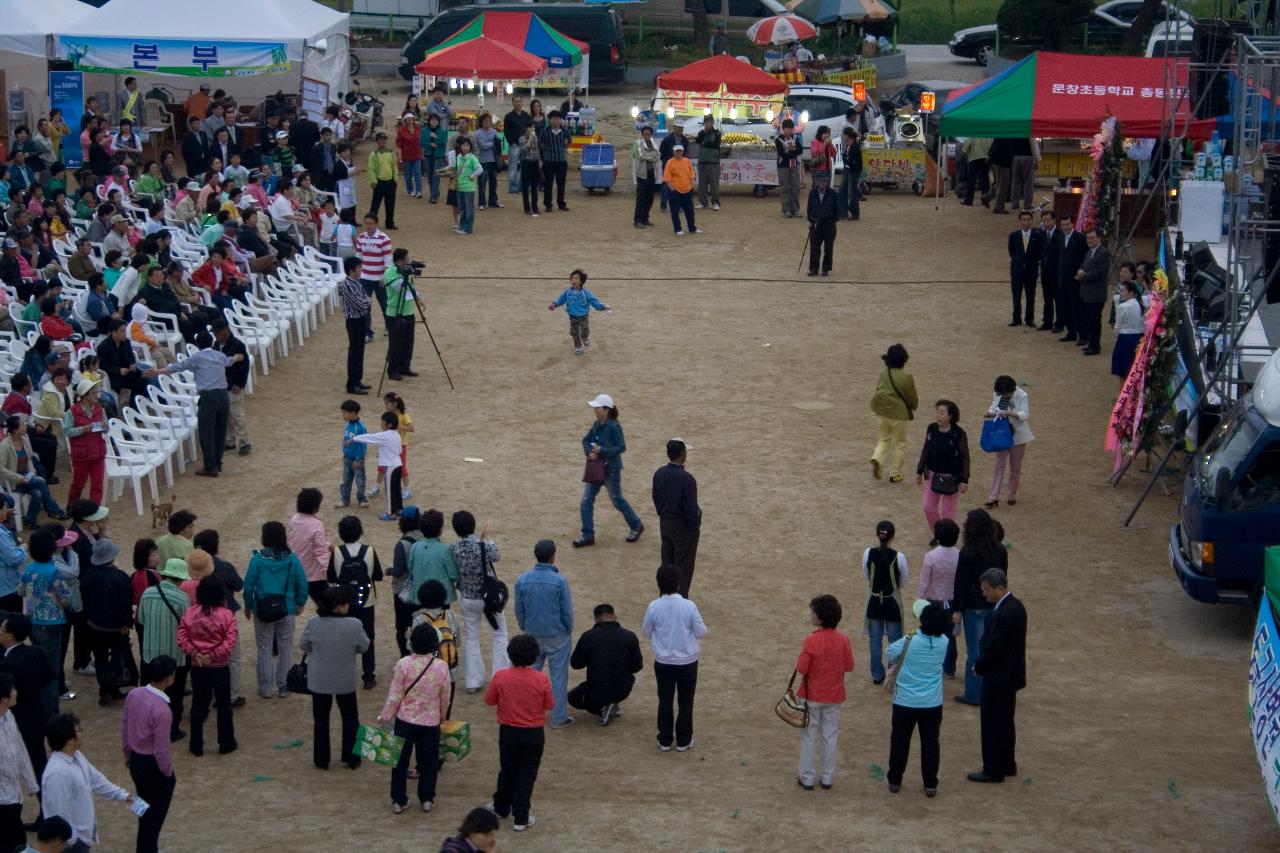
[[378, 745]]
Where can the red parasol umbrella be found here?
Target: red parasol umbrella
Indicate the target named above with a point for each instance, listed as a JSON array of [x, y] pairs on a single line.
[[781, 29]]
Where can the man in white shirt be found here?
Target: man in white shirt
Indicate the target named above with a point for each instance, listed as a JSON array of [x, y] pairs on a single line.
[[674, 626], [16, 772], [70, 783]]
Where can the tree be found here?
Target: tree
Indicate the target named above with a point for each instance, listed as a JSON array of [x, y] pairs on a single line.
[[1141, 26], [1040, 22], [701, 32]]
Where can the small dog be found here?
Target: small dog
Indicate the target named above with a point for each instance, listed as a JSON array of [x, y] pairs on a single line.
[[160, 512]]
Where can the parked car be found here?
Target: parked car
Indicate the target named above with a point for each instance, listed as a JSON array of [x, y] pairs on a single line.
[[598, 26], [1170, 40], [1122, 13], [976, 43]]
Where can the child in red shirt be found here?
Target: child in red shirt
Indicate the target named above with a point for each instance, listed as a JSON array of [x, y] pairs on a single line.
[[824, 660], [523, 697]]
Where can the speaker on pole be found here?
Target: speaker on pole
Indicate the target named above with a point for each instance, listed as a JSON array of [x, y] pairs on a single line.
[[1213, 43]]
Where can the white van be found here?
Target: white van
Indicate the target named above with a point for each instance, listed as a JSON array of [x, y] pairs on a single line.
[[1172, 39]]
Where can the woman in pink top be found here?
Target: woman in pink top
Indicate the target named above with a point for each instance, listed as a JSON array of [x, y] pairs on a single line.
[[938, 580], [207, 633], [308, 540], [417, 702], [824, 660], [822, 153]]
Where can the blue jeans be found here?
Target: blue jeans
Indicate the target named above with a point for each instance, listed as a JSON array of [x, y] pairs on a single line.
[[352, 469], [433, 180], [554, 653], [413, 176], [38, 489], [612, 482], [876, 629], [466, 210], [975, 625], [513, 174]]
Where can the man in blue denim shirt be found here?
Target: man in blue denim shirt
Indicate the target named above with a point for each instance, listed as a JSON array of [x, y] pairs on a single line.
[[544, 609]]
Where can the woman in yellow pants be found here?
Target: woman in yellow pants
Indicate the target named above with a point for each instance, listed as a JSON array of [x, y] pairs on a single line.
[[894, 404]]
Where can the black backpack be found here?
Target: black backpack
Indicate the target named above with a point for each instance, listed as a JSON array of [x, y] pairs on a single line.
[[354, 572]]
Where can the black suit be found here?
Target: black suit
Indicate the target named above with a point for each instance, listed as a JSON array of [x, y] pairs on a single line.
[[304, 135], [31, 674], [675, 498], [1093, 295], [823, 210], [1049, 276], [1024, 263], [1002, 663], [195, 152], [1069, 260], [611, 656], [322, 175], [223, 152]]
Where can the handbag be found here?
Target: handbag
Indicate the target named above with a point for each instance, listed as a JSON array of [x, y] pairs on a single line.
[[270, 608], [296, 680], [593, 474], [911, 415], [493, 592], [997, 435], [891, 674], [945, 484], [790, 709]]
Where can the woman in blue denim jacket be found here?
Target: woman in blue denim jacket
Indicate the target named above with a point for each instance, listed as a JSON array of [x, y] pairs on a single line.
[[604, 440]]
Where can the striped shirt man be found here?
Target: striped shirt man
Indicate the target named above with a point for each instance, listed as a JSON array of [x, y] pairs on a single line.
[[373, 248], [355, 302], [555, 144], [160, 621]]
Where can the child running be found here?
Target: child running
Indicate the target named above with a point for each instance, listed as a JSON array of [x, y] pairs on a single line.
[[579, 301], [388, 442]]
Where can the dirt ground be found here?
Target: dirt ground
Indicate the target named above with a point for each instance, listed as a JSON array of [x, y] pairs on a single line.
[[1132, 731]]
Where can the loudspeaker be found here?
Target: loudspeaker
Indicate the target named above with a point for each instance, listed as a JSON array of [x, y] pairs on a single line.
[[1212, 43], [1208, 283]]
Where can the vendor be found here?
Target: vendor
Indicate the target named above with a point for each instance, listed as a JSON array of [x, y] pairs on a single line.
[[802, 53]]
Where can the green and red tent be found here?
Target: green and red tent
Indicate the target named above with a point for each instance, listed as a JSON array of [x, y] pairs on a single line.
[[528, 32], [1068, 95]]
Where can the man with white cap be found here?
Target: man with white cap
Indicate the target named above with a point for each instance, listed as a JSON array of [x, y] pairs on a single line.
[[118, 239], [678, 178], [675, 498]]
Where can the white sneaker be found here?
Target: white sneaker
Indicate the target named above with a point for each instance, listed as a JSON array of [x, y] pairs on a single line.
[[698, 231], [370, 493], [428, 806], [405, 494], [679, 233], [715, 207], [688, 746], [489, 807], [577, 350], [521, 827], [396, 808], [700, 206]]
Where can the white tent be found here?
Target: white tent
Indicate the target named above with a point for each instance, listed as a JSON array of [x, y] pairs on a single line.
[[315, 36], [26, 27]]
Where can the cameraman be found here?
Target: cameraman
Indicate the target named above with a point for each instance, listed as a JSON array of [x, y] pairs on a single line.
[[398, 282]]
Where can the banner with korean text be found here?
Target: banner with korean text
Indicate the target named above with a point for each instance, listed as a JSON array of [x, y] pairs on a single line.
[[66, 93], [1264, 701], [182, 57]]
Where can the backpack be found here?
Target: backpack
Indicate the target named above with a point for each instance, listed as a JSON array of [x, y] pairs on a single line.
[[354, 572], [448, 651]]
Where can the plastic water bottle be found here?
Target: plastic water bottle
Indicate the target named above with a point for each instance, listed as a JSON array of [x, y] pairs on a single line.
[[1228, 164], [1200, 161]]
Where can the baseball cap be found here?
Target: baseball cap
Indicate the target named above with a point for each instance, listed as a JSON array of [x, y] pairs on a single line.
[[282, 134], [204, 87], [118, 218], [298, 167], [407, 117], [677, 147], [192, 186], [10, 243], [601, 400]]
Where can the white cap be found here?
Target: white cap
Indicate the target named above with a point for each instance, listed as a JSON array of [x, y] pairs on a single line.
[[677, 148], [687, 445], [601, 400], [408, 117]]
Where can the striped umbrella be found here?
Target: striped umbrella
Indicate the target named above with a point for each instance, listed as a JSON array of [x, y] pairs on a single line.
[[781, 29], [826, 11]]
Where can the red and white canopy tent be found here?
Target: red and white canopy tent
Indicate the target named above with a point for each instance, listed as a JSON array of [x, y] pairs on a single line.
[[482, 61], [720, 85]]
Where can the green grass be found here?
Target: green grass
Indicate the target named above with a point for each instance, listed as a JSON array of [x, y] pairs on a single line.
[[934, 21]]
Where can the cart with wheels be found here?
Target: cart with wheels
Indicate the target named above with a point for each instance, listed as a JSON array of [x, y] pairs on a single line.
[[599, 169]]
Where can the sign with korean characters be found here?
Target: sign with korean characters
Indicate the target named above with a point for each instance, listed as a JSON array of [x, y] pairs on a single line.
[[182, 57], [893, 165], [750, 170], [1264, 702]]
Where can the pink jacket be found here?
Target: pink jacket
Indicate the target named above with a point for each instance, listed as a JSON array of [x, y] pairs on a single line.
[[212, 634], [428, 702], [307, 539]]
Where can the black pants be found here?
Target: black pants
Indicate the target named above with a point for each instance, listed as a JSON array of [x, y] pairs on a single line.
[[212, 411], [211, 683], [1049, 293], [1066, 308], [905, 721], [681, 203], [356, 329], [376, 293], [676, 679], [1091, 323], [384, 191], [321, 703], [592, 701], [680, 549], [424, 742], [315, 590], [110, 650], [1023, 284], [400, 346], [554, 172], [978, 179], [77, 637], [12, 835], [404, 619], [156, 790], [998, 733], [530, 180], [822, 240], [45, 446], [367, 660], [519, 756], [644, 199], [488, 185]]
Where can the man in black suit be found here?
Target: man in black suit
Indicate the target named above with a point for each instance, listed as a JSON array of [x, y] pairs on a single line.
[[1026, 246], [1049, 268], [611, 656], [31, 674], [324, 160], [823, 211], [1093, 275], [675, 498], [195, 147], [1073, 252], [1002, 663], [222, 147], [304, 135]]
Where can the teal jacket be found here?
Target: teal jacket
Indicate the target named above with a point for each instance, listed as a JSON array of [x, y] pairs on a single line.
[[612, 443], [275, 573], [431, 560], [435, 144]]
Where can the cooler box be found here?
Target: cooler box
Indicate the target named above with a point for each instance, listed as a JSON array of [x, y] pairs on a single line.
[[455, 740], [599, 170]]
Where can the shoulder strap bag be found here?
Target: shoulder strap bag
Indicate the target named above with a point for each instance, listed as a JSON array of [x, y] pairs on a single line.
[[790, 708], [493, 591], [891, 674], [911, 415]]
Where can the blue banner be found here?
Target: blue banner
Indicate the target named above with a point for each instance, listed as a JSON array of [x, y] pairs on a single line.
[[66, 93], [1264, 702], [184, 57]]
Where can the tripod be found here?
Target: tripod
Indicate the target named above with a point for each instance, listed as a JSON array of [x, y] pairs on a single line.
[[420, 318]]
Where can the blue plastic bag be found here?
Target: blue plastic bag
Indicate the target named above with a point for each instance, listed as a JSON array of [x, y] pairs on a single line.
[[997, 435]]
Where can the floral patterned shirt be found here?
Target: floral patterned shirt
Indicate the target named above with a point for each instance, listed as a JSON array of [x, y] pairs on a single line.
[[427, 703], [46, 594], [466, 556]]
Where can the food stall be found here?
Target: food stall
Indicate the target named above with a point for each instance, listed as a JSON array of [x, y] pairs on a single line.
[[892, 166]]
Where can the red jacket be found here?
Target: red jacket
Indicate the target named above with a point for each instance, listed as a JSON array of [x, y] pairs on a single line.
[[212, 633], [56, 327], [88, 446], [204, 276], [824, 659], [409, 143]]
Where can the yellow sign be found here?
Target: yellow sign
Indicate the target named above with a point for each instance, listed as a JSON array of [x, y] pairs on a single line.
[[893, 165]]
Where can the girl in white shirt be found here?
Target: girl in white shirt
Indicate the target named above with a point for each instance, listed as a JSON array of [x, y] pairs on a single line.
[[346, 235], [1129, 326]]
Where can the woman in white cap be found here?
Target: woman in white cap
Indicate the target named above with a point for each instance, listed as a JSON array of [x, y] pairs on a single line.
[[917, 696], [85, 426], [604, 440]]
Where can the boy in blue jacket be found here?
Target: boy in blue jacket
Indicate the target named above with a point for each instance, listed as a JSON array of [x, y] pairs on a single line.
[[352, 455], [579, 301]]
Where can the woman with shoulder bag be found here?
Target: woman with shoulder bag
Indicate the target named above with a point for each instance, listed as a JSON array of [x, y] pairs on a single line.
[[474, 556], [943, 468], [894, 404], [824, 659], [275, 592], [604, 442], [332, 642], [1010, 403], [417, 703], [917, 696]]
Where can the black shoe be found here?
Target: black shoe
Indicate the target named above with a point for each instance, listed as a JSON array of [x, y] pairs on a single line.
[[825, 786], [370, 681], [1092, 351], [933, 543], [237, 702], [395, 377], [635, 533], [365, 387], [985, 777], [353, 764], [963, 701], [1013, 771], [359, 392], [1015, 323], [52, 481], [826, 272], [224, 750], [392, 228], [174, 737], [813, 273], [1081, 342], [564, 207], [408, 373], [1045, 327], [203, 473], [197, 751], [877, 681], [803, 785], [583, 542], [1066, 338], [246, 450], [893, 789]]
